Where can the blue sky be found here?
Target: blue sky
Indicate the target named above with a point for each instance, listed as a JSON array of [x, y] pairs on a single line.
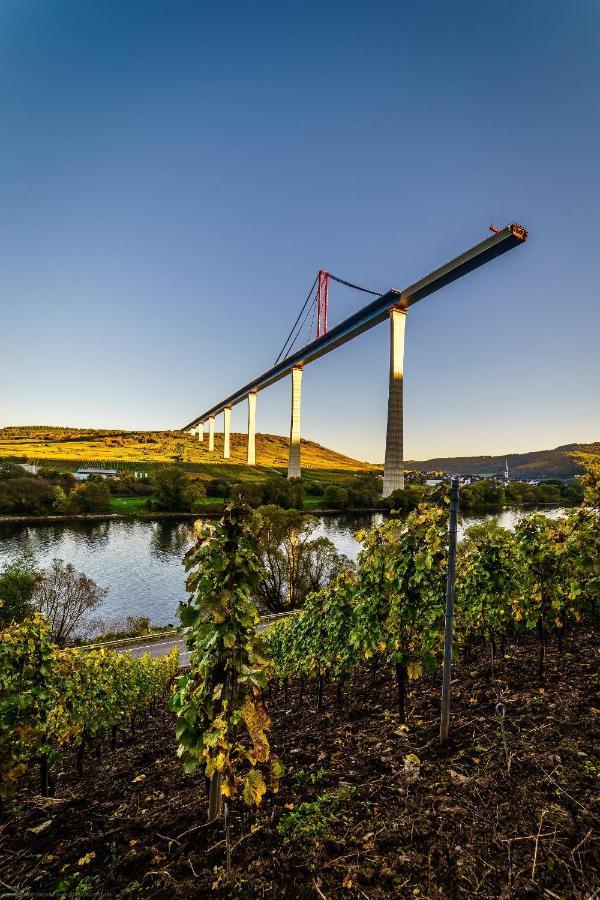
[[172, 176]]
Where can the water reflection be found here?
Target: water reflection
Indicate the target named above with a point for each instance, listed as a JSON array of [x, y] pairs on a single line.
[[171, 538], [140, 561]]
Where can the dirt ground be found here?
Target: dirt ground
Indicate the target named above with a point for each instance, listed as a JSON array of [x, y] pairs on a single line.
[[367, 808]]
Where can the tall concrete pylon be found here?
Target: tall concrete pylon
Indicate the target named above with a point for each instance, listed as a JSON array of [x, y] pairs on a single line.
[[226, 432], [294, 470], [201, 432], [251, 459], [393, 470], [211, 434]]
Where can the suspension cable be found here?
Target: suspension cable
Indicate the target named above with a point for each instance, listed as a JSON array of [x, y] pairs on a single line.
[[356, 287], [288, 349], [313, 306], [289, 337]]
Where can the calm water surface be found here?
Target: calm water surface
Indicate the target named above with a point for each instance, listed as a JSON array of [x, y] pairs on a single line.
[[140, 562]]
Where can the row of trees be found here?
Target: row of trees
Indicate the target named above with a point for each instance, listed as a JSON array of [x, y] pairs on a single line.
[[288, 494], [491, 493], [51, 492], [41, 496]]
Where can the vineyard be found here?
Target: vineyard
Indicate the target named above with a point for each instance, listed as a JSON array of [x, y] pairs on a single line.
[[543, 578], [318, 737], [51, 699]]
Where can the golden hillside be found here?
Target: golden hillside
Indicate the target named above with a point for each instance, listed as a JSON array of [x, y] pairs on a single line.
[[51, 445]]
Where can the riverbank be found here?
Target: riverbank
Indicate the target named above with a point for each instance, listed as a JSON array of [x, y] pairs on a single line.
[[156, 515]]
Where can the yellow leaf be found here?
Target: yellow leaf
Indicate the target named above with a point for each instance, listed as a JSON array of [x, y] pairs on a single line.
[[86, 859], [347, 882], [227, 788], [414, 670], [257, 721], [254, 788], [138, 778], [277, 771]]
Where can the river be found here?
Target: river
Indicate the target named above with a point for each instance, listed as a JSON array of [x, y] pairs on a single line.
[[140, 561]]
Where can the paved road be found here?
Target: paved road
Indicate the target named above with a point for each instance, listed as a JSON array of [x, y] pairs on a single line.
[[161, 648]]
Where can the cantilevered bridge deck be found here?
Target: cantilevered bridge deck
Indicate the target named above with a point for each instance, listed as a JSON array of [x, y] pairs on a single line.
[[391, 305], [373, 314]]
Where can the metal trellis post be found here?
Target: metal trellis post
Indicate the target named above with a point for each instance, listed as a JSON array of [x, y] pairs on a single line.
[[449, 623]]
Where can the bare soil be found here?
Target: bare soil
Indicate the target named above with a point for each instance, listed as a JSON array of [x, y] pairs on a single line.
[[356, 815]]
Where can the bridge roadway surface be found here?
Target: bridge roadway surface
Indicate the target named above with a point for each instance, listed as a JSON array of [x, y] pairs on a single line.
[[161, 648]]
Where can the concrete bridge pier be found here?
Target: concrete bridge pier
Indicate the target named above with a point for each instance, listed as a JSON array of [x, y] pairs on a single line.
[[294, 470], [393, 470], [226, 432], [251, 459], [211, 434], [201, 432]]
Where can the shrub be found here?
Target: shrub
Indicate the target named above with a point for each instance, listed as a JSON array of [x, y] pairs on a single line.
[[27, 496], [176, 491], [335, 497], [18, 582], [89, 497]]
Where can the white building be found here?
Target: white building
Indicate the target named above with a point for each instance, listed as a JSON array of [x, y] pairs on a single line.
[[84, 474]]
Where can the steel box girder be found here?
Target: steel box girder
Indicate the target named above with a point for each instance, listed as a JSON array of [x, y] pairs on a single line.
[[375, 312]]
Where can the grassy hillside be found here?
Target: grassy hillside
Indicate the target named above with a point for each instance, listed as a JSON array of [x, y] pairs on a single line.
[[72, 447], [562, 462]]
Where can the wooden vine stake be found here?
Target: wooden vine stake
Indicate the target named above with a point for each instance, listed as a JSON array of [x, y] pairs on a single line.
[[449, 619]]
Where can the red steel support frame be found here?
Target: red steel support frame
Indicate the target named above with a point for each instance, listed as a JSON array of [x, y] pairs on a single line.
[[322, 303]]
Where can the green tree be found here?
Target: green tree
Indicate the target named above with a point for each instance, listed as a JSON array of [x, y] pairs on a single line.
[[572, 492], [89, 497], [520, 492], [294, 563], [177, 491], [591, 482], [18, 582], [406, 499], [364, 491], [487, 492], [66, 597], [335, 496], [287, 493], [27, 496]]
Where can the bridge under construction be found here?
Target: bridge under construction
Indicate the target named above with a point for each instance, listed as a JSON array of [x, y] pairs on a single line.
[[393, 306]]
